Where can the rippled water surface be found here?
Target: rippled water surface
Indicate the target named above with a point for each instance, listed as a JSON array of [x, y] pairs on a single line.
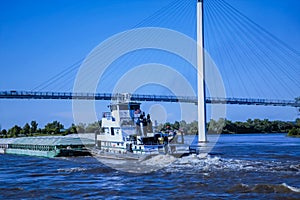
[[254, 166]]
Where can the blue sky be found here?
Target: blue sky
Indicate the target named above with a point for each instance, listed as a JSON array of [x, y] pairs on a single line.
[[38, 39]]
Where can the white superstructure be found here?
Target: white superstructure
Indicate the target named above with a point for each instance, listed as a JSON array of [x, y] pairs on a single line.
[[126, 129]]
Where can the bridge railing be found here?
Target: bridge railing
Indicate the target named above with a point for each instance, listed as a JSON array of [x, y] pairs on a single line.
[[142, 97]]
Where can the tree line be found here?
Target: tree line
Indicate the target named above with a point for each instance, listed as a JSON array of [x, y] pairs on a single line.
[[52, 128], [229, 127], [213, 126]]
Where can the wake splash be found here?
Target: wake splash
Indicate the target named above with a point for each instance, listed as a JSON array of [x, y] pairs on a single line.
[[207, 163], [71, 170], [159, 160], [294, 189]]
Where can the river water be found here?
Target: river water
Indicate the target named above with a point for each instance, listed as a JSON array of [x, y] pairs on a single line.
[[251, 166]]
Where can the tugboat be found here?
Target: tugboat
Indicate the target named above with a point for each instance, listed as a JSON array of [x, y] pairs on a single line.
[[126, 132]]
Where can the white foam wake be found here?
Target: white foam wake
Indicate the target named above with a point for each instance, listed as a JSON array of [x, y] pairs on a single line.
[[74, 169], [159, 160], [206, 162], [294, 189]]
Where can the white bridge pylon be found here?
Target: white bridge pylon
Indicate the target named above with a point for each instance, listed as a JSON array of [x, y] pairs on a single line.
[[201, 75]]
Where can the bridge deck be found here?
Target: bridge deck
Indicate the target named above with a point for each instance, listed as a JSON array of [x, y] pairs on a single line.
[[139, 97]]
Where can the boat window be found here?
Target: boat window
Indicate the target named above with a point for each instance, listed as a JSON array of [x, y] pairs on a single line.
[[123, 107], [134, 107], [106, 131], [112, 131], [106, 115]]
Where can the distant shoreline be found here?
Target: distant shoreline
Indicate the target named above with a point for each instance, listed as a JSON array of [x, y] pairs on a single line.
[[220, 126]]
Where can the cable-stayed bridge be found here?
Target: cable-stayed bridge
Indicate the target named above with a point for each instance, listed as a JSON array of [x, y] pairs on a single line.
[[255, 65]]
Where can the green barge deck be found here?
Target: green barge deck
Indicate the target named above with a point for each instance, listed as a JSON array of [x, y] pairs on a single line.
[[48, 146]]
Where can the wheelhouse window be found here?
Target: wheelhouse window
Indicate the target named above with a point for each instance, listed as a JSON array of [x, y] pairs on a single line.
[[112, 131], [106, 131]]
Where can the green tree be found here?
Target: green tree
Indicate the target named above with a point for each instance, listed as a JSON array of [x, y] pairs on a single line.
[[15, 131], [53, 128], [80, 128], [92, 127], [249, 125], [229, 127], [193, 128], [73, 129], [176, 125], [34, 126], [66, 132], [26, 129], [294, 132], [298, 122], [4, 133], [266, 126], [216, 126]]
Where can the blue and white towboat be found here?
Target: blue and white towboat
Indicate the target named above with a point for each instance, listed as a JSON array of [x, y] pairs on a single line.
[[127, 133]]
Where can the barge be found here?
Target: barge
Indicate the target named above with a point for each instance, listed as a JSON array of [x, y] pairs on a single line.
[[47, 146]]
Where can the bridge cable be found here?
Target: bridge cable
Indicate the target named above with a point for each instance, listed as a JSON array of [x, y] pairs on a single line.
[[268, 52]]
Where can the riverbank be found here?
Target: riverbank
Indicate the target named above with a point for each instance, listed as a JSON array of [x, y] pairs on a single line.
[[294, 132]]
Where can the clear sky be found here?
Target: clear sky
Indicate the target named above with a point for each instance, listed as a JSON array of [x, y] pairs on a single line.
[[38, 39]]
